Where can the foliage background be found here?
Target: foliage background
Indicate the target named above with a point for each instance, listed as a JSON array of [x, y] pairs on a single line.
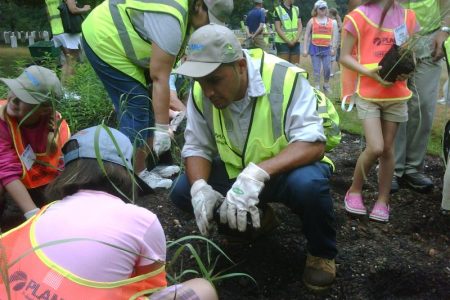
[[27, 15]]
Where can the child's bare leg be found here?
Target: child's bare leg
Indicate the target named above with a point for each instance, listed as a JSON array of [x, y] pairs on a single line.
[[387, 161], [374, 149]]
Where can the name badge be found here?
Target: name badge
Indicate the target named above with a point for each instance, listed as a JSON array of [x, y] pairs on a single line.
[[28, 157], [285, 17], [401, 34]]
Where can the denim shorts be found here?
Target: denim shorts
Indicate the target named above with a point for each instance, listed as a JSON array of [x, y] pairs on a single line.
[[282, 48], [130, 98]]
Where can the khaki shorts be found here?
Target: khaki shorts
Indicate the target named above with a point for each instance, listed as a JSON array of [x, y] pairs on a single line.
[[393, 111]]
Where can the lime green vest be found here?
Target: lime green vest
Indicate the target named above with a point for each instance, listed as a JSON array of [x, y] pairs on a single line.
[[111, 35], [427, 14], [55, 19], [330, 117], [447, 52], [266, 134], [289, 26]]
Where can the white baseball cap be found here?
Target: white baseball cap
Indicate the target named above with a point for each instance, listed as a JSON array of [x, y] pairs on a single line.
[[320, 4], [209, 47], [35, 85], [219, 10]]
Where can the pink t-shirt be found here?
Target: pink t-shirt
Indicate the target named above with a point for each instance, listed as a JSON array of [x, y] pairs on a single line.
[[394, 17], [36, 137], [103, 217]]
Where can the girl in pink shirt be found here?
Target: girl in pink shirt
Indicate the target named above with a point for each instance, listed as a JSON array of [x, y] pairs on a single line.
[[369, 32], [31, 136], [93, 243]]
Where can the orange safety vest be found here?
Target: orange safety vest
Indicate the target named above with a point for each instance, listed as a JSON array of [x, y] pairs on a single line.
[[45, 167], [371, 46], [321, 34], [35, 276]]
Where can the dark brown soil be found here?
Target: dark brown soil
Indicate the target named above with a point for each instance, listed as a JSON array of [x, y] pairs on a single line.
[[409, 258]]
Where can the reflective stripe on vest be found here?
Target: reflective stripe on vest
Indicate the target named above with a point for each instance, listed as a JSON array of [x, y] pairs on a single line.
[[427, 14], [321, 34], [45, 167], [288, 26], [371, 46], [35, 276], [266, 134], [110, 33], [55, 19]]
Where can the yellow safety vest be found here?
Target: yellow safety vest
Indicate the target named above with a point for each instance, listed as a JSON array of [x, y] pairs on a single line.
[[266, 134], [447, 52], [108, 30], [289, 26], [427, 14], [53, 14]]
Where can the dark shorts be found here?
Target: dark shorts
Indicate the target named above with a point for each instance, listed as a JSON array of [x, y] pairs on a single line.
[[282, 48]]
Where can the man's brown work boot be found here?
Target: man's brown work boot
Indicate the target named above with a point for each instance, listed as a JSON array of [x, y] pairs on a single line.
[[319, 273]]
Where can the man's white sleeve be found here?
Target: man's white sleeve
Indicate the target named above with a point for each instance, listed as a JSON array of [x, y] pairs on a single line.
[[302, 120]]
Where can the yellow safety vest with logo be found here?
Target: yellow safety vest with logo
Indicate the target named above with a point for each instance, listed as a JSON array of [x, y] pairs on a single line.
[[266, 134], [288, 25], [53, 14], [108, 30], [427, 14]]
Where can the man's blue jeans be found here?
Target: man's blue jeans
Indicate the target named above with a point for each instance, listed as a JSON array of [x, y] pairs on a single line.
[[305, 190]]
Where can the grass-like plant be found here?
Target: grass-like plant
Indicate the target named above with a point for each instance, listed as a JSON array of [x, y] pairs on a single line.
[[206, 263]]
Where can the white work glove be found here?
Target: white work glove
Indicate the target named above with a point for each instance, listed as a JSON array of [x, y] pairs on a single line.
[[204, 201], [242, 198], [161, 140]]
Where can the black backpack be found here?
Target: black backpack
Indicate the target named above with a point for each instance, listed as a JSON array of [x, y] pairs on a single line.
[[71, 22]]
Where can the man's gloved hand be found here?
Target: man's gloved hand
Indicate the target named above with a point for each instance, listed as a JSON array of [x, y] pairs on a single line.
[[161, 140], [204, 201], [242, 198]]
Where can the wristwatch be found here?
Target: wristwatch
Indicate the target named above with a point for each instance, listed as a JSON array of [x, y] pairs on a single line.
[[445, 29]]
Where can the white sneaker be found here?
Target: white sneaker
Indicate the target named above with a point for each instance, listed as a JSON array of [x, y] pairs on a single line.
[[166, 171], [175, 122], [154, 180], [326, 89]]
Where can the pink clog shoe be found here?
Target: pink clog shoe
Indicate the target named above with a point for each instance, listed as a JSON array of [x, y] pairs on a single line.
[[380, 212], [354, 204]]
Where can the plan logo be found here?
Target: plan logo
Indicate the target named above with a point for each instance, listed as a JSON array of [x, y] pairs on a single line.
[[383, 41], [18, 280]]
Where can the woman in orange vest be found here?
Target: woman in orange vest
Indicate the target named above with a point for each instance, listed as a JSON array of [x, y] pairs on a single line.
[[369, 32], [320, 42], [31, 136], [93, 243]]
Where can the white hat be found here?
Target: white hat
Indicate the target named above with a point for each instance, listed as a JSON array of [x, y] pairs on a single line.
[[35, 85], [320, 4], [219, 10], [209, 47]]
